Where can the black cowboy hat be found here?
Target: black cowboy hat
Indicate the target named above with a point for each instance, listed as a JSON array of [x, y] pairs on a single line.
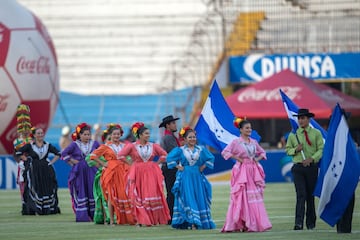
[[304, 112], [167, 119]]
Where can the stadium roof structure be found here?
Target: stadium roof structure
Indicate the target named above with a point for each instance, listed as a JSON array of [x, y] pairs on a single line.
[[262, 100]]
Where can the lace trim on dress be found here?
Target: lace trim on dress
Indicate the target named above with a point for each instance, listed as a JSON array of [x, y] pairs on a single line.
[[144, 151], [250, 149], [191, 156], [40, 151], [115, 148], [85, 147]]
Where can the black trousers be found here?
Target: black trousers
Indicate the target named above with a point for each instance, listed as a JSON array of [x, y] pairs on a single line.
[[170, 177], [305, 181], [345, 222]]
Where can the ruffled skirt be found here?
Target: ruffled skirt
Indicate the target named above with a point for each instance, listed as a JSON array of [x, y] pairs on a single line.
[[146, 191], [193, 195], [246, 210], [80, 182], [113, 181]]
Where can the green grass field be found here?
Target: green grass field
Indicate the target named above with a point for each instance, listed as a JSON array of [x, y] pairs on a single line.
[[279, 199]]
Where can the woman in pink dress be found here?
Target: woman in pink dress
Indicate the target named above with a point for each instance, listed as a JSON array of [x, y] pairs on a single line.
[[246, 212], [145, 180]]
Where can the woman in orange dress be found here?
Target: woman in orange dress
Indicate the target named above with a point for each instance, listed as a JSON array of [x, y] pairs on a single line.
[[114, 177], [145, 180]]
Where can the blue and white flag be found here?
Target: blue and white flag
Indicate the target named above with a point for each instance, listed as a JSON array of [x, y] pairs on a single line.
[[339, 170], [215, 125], [291, 110]]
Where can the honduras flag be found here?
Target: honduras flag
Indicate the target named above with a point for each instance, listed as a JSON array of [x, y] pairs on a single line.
[[291, 109], [339, 170], [215, 126]]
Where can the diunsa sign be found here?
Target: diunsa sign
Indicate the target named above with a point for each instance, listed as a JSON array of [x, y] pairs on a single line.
[[256, 67]]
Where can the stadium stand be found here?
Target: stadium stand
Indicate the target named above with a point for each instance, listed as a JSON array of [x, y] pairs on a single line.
[[117, 47], [129, 49], [160, 47]]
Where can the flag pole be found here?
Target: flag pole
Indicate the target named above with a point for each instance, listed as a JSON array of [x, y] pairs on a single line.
[[302, 151]]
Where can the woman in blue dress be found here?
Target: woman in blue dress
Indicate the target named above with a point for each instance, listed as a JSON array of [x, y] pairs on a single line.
[[192, 190]]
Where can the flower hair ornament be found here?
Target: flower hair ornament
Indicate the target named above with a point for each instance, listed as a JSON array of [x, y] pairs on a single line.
[[237, 121], [104, 135], [78, 128], [32, 132], [74, 136], [183, 130], [135, 128], [112, 126], [81, 126]]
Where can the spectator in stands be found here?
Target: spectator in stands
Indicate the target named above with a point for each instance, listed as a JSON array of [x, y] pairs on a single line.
[[81, 177], [145, 180], [65, 138], [168, 142], [246, 210], [192, 190], [306, 147], [40, 192], [114, 177]]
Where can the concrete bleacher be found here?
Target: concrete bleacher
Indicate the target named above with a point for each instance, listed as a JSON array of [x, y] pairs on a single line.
[[118, 47], [307, 28], [328, 5], [116, 59]]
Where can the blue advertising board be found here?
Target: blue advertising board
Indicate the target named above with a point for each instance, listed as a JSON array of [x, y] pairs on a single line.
[[276, 168], [320, 66], [9, 169]]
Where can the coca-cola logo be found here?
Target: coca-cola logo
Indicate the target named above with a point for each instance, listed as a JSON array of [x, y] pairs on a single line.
[[32, 66], [252, 94], [3, 102]]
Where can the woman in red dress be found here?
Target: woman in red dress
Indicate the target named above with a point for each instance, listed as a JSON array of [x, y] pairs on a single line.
[[145, 179]]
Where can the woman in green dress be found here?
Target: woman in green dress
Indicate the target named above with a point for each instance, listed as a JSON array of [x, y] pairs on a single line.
[[101, 215]]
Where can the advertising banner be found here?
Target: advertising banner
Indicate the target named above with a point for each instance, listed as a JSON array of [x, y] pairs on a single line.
[[277, 168], [319, 66], [9, 171]]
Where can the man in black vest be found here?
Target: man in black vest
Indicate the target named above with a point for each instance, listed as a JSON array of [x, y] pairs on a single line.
[[168, 142]]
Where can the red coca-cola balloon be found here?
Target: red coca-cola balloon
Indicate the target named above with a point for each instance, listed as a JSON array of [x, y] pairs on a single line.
[[28, 71]]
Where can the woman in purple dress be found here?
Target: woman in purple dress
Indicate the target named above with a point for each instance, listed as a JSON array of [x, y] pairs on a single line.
[[81, 177]]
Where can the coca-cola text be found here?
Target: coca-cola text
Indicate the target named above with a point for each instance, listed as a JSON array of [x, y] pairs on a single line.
[[32, 66], [253, 94]]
